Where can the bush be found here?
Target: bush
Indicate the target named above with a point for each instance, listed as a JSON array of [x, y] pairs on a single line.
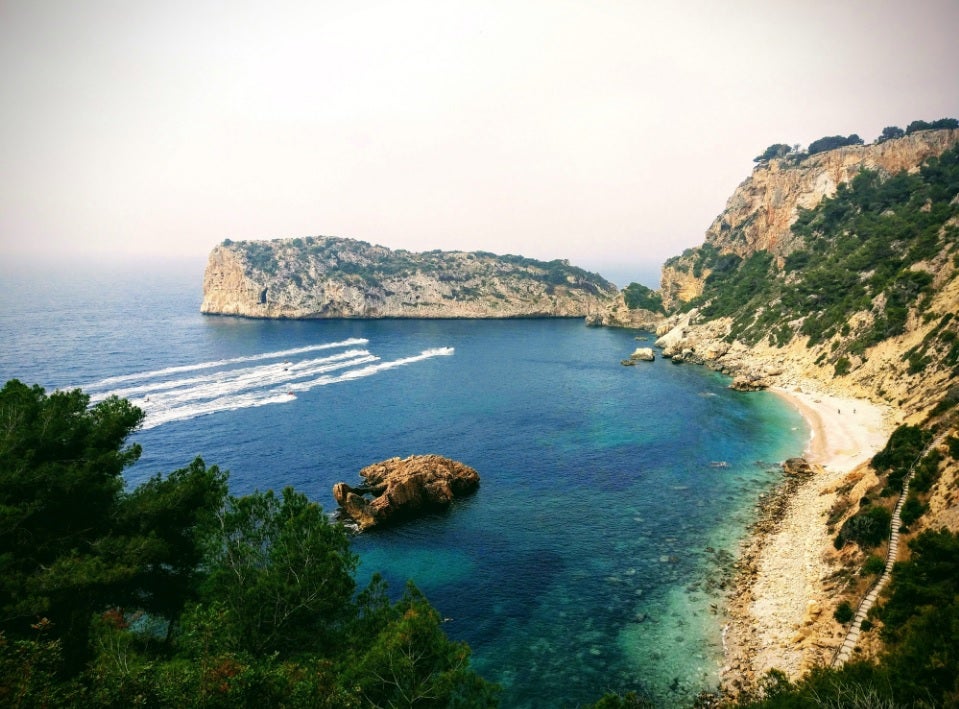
[[901, 450], [953, 442], [868, 528], [842, 366], [832, 142], [873, 566], [844, 613], [935, 125], [776, 150], [912, 509], [927, 472], [891, 133]]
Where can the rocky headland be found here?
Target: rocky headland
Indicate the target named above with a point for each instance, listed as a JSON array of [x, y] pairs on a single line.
[[833, 280], [761, 212], [330, 277], [397, 490]]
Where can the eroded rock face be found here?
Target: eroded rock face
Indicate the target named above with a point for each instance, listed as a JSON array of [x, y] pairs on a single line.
[[331, 277], [400, 489], [760, 213], [618, 314]]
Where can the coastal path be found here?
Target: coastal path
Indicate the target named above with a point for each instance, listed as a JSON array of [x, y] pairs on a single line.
[[852, 637]]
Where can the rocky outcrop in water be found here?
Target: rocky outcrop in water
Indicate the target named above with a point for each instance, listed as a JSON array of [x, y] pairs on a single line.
[[397, 490], [330, 277]]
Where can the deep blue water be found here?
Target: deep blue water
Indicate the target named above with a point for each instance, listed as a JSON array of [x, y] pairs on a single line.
[[577, 568]]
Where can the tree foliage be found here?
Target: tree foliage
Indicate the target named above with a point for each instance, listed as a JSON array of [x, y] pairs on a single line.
[[868, 528], [831, 142], [776, 150], [283, 572], [942, 123], [177, 594], [863, 251], [639, 297], [890, 133]]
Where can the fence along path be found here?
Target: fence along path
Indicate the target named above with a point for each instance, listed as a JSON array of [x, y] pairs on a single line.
[[852, 637]]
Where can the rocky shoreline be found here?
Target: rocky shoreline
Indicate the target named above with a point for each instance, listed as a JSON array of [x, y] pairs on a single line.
[[779, 613]]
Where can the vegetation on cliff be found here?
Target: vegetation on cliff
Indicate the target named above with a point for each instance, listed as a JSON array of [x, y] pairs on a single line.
[[919, 666], [179, 594], [364, 261], [639, 297], [843, 265], [867, 261], [316, 277]]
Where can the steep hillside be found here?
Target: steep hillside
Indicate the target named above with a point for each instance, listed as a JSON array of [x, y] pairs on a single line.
[[329, 277], [760, 214], [861, 292], [838, 273]]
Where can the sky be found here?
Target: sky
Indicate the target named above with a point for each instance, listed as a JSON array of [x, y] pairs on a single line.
[[606, 132]]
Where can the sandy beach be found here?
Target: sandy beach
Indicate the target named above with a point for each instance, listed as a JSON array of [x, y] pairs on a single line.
[[780, 613]]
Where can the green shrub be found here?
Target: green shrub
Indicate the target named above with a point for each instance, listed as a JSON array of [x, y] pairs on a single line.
[[953, 442], [873, 566], [902, 449], [927, 472], [639, 297], [912, 509], [844, 613], [867, 528], [842, 366]]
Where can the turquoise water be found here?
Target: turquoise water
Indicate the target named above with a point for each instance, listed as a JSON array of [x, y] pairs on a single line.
[[585, 562]]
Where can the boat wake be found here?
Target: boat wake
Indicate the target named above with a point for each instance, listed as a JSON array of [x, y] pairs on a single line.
[[165, 398]]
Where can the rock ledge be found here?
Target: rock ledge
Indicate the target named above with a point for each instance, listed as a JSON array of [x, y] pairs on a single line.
[[404, 488]]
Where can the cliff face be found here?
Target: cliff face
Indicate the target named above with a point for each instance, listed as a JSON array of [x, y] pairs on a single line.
[[859, 294], [328, 277], [836, 275], [760, 213]]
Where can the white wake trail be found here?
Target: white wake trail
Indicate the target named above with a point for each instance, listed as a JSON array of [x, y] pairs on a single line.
[[258, 378], [262, 398], [294, 368], [110, 381]]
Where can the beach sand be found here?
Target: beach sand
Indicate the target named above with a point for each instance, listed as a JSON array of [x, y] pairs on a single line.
[[778, 613]]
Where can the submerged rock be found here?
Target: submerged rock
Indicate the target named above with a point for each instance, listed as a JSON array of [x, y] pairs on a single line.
[[404, 488]]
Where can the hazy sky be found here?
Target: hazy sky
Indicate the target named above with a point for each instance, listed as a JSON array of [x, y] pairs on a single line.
[[606, 132]]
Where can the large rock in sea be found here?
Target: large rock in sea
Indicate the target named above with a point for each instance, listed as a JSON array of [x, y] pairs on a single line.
[[330, 277], [401, 489]]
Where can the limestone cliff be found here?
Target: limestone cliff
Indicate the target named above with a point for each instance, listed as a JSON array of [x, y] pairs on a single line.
[[329, 277], [858, 294], [836, 274], [762, 210]]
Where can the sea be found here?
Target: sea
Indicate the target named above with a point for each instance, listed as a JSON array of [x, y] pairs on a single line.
[[597, 552]]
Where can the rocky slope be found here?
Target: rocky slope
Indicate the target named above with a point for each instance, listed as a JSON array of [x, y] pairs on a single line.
[[329, 277], [761, 211], [858, 294], [835, 274]]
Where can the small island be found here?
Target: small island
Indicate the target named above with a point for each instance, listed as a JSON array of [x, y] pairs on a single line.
[[404, 488], [331, 277]]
